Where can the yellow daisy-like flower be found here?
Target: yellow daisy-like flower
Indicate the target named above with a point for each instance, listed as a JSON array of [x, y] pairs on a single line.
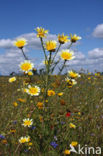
[[60, 94], [24, 139], [41, 32], [40, 105], [51, 45], [63, 39], [33, 90], [70, 81], [20, 43], [74, 143], [12, 79], [74, 38], [71, 125], [73, 74], [30, 73], [15, 104], [26, 66], [27, 122], [51, 93], [67, 54], [66, 152]]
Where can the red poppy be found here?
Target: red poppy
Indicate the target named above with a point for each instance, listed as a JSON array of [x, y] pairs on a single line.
[[68, 114]]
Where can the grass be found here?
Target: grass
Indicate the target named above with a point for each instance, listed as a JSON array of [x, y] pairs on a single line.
[[84, 101]]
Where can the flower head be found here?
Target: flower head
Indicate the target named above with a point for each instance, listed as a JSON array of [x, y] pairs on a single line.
[[12, 79], [73, 74], [74, 38], [70, 82], [51, 93], [63, 39], [51, 45], [40, 105], [24, 139], [33, 90], [20, 43], [67, 54], [68, 114], [41, 32], [30, 73], [71, 125], [2, 136], [27, 122], [74, 143], [26, 66], [54, 144], [60, 94], [66, 152]]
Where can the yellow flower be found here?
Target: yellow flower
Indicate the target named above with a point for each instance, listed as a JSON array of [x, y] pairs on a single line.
[[60, 94], [30, 144], [41, 32], [33, 90], [4, 141], [21, 100], [12, 79], [20, 43], [79, 113], [27, 122], [67, 152], [26, 66], [46, 101], [74, 38], [67, 54], [15, 104], [70, 82], [62, 39], [40, 105], [24, 139], [41, 118], [73, 74], [71, 125], [51, 93], [89, 73], [89, 78], [74, 143], [97, 74], [30, 73], [12, 130], [25, 90], [51, 45]]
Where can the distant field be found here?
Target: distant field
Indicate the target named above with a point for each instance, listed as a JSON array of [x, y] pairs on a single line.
[[84, 102]]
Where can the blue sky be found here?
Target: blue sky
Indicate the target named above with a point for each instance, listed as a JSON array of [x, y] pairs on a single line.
[[19, 17]]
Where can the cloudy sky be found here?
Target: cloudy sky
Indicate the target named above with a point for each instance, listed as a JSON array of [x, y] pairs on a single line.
[[19, 18]]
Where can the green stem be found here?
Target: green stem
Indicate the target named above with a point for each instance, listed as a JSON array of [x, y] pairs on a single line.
[[43, 48], [56, 52], [69, 45], [47, 75], [62, 67], [26, 58]]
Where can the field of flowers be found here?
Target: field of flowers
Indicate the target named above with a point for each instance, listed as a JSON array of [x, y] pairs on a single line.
[[46, 114]]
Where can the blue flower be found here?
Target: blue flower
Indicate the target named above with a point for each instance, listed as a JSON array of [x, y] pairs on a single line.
[[33, 127], [14, 122], [2, 137], [54, 144]]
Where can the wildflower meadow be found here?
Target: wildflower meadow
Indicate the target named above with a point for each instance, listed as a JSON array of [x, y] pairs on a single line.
[[49, 114]]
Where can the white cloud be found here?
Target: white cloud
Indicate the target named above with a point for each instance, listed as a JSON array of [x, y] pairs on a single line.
[[98, 31], [96, 53]]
